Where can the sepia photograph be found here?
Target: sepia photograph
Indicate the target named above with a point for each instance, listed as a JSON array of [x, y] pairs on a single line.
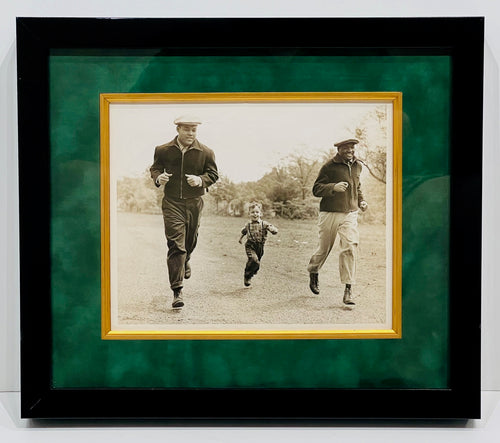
[[251, 215]]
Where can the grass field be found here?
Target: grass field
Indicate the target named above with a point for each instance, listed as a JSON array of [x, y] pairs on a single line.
[[215, 294]]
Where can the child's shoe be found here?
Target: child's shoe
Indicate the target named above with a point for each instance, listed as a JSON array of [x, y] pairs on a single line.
[[178, 301]]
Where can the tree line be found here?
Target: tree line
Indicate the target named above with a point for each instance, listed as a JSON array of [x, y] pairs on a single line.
[[285, 191]]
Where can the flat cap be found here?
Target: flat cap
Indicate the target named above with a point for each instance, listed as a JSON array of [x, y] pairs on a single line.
[[349, 141], [187, 120]]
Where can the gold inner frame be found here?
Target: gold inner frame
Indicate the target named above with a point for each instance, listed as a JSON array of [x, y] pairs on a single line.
[[394, 98]]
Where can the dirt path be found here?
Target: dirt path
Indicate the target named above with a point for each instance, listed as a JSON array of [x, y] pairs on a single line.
[[215, 294]]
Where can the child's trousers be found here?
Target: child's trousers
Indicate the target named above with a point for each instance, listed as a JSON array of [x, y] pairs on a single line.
[[254, 252]]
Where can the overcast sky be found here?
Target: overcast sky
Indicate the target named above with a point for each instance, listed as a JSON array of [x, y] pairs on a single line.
[[248, 139]]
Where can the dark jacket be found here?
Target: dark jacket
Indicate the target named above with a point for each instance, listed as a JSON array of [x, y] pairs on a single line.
[[333, 172], [197, 160]]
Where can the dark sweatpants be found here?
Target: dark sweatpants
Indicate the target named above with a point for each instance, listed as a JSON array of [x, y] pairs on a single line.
[[182, 220], [254, 252]]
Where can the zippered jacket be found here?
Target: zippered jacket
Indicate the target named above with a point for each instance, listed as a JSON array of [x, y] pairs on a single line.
[[198, 160], [333, 172]]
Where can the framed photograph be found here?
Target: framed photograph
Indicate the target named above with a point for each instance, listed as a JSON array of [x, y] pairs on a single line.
[[269, 217], [276, 168]]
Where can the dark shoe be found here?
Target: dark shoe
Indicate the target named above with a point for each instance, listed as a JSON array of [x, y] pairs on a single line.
[[348, 297], [246, 281], [187, 270], [178, 302], [314, 283]]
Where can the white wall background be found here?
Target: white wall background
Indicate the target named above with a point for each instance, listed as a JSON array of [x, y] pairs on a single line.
[[9, 268]]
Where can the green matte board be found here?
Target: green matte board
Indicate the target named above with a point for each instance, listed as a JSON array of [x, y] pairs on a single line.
[[81, 359]]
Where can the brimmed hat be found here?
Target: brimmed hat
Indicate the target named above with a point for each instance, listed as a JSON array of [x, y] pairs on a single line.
[[187, 120], [349, 141]]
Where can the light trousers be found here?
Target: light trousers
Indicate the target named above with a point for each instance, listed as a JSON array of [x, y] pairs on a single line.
[[345, 224]]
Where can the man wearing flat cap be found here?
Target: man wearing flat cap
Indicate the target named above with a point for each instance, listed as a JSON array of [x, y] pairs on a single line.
[[339, 187], [185, 167]]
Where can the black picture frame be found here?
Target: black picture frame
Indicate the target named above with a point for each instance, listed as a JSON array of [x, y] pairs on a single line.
[[462, 39]]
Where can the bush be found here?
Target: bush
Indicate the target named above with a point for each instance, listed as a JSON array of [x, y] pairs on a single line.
[[296, 209]]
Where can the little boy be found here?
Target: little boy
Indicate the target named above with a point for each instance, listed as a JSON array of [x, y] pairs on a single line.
[[256, 231]]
